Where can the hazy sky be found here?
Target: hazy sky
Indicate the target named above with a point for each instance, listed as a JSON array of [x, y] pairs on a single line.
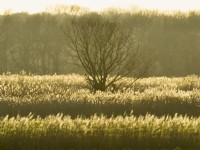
[[33, 6]]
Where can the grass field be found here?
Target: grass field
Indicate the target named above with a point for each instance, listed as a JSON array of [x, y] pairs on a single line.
[[154, 113]]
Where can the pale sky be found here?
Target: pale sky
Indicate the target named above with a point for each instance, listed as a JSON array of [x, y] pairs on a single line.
[[33, 6]]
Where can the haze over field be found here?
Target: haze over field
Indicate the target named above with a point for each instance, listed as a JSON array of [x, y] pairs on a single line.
[[34, 6], [99, 74]]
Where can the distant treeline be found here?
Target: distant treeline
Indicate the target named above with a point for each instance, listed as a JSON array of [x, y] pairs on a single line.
[[36, 43]]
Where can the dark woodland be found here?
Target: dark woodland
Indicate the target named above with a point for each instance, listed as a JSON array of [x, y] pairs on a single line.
[[36, 44]]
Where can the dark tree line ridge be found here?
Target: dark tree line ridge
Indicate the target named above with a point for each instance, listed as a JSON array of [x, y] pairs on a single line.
[[36, 43]]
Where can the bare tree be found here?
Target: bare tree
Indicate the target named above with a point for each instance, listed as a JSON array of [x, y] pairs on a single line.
[[105, 49]]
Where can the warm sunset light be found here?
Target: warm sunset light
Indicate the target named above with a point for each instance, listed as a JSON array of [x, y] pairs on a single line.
[[99, 74], [33, 6]]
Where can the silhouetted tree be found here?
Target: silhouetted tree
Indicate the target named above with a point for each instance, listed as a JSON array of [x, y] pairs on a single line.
[[105, 49]]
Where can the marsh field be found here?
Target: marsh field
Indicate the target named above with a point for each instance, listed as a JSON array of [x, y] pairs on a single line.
[[117, 79], [59, 112]]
